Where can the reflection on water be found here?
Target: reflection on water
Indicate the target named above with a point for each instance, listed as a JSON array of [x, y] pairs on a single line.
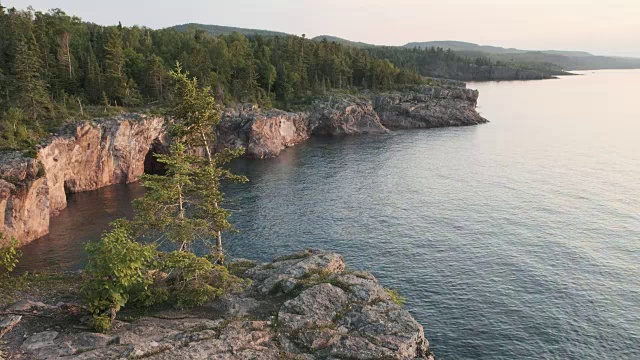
[[85, 218]]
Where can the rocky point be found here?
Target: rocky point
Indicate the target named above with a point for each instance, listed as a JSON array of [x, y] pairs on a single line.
[[303, 306]]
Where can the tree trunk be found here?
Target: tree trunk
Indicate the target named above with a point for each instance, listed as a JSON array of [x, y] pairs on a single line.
[[219, 251]]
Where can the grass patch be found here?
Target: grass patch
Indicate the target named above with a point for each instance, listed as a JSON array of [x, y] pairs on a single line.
[[239, 267], [38, 285], [296, 256], [320, 276], [396, 297]]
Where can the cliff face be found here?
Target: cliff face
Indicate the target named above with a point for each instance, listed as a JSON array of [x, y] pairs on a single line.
[[267, 133], [345, 116], [86, 156], [262, 133], [429, 107], [24, 197], [301, 306], [89, 155]]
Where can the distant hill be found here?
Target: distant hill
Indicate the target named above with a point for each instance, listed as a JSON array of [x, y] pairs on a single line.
[[461, 46], [567, 60], [225, 30], [551, 62], [467, 46], [343, 41]]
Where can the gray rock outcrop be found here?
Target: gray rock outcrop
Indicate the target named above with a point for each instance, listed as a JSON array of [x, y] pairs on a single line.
[[349, 115], [265, 133], [429, 107], [303, 306]]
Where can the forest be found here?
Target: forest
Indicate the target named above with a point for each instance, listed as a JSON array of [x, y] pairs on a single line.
[[55, 67]]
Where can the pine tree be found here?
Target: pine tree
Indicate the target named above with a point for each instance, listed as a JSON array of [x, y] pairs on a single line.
[[115, 80], [93, 78], [185, 204], [31, 92], [157, 76], [64, 53]]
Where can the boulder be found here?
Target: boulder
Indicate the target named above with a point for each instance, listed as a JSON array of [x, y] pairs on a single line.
[[40, 340], [286, 274]]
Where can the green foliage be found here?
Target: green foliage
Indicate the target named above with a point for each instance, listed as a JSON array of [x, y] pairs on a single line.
[[239, 267], [115, 79], [396, 297], [51, 62], [184, 205], [101, 323], [9, 255], [31, 94], [189, 279], [116, 265], [16, 132]]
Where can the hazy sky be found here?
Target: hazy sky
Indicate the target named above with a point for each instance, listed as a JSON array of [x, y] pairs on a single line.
[[598, 26]]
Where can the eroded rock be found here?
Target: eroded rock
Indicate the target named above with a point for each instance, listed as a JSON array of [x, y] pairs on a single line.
[[428, 107], [348, 115], [85, 156], [319, 311], [285, 275], [262, 133]]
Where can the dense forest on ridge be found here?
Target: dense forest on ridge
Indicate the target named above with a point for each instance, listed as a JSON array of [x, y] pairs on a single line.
[[55, 67]]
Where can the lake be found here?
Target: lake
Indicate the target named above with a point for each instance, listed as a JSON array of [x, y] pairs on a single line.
[[515, 239]]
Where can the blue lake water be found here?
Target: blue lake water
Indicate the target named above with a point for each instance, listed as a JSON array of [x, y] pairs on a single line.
[[515, 239]]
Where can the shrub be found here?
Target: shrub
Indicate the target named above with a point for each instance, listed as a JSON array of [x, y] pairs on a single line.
[[240, 267], [396, 297], [189, 279], [117, 264], [9, 255], [14, 132]]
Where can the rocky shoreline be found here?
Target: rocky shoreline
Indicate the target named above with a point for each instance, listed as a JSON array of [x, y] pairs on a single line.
[[89, 155], [305, 306]]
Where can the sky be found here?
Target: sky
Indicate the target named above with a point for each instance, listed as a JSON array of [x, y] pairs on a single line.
[[607, 27]]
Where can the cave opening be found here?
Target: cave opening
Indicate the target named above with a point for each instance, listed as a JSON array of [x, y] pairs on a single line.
[[151, 164]]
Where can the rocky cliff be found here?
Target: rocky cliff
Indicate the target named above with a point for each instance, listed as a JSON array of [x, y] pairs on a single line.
[[304, 306], [267, 133], [92, 154], [24, 197], [84, 156], [428, 107], [261, 133]]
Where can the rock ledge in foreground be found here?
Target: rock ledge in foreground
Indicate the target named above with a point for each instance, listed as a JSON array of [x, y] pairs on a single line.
[[304, 306]]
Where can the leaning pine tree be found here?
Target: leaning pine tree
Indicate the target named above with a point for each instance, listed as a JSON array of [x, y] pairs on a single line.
[[182, 207], [184, 204]]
